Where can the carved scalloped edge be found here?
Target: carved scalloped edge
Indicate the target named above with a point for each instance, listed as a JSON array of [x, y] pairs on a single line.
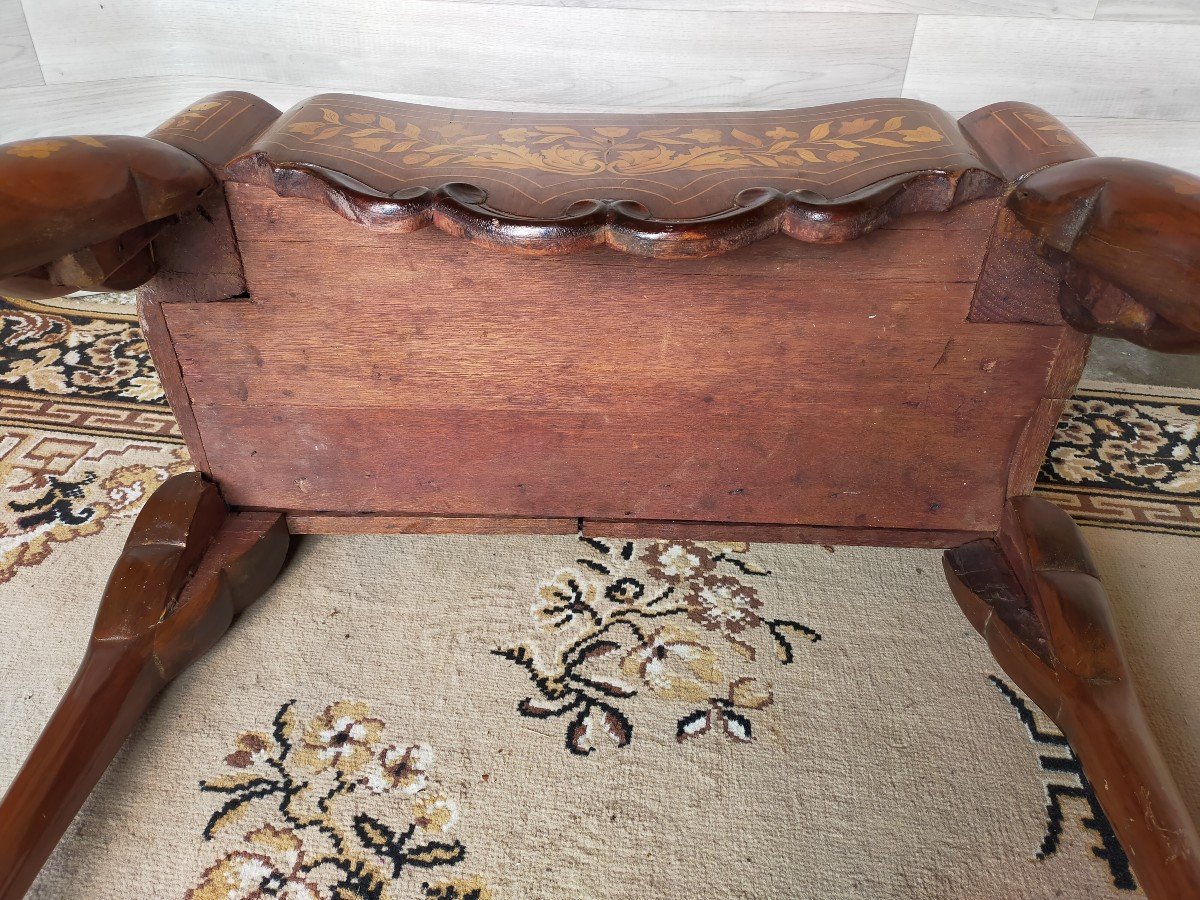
[[460, 209]]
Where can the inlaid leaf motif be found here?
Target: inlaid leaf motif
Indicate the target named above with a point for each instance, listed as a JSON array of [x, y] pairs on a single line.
[[372, 145], [566, 150], [747, 138], [856, 126]]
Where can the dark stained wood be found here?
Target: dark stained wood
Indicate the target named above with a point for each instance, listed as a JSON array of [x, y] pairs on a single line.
[[538, 165], [1126, 237], [891, 377], [1018, 138], [664, 186], [188, 568], [79, 212], [1035, 596], [218, 127], [756, 213]]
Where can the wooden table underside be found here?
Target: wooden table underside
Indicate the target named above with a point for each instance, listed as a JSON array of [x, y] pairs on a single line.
[[718, 379]]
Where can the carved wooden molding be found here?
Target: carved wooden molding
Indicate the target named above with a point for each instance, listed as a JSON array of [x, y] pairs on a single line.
[[462, 210], [654, 185], [1124, 236]]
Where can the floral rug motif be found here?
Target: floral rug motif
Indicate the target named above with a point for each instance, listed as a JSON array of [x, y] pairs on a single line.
[[676, 619], [85, 431], [337, 810], [1128, 457]]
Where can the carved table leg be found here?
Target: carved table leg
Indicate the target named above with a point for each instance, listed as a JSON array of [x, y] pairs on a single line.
[[188, 568], [1035, 596]]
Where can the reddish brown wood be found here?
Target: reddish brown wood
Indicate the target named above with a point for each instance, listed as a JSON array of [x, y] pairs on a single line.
[[506, 395], [188, 568], [1126, 237], [317, 523], [1017, 283], [778, 534], [721, 383], [78, 212], [1035, 596]]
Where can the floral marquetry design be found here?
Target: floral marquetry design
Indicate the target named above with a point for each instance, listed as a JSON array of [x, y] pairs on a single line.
[[578, 150], [332, 808], [44, 149], [194, 116], [670, 624]]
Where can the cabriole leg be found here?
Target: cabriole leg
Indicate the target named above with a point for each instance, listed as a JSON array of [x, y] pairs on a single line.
[[1034, 594], [189, 567]]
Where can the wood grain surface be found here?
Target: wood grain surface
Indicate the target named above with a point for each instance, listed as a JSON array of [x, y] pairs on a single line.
[[1154, 11], [79, 212], [18, 60], [493, 385], [681, 166], [1125, 236], [1114, 69]]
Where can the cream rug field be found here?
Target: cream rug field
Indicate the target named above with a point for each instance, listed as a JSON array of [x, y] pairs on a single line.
[[475, 717]]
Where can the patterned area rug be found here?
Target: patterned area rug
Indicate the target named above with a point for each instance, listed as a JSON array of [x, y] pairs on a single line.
[[470, 717]]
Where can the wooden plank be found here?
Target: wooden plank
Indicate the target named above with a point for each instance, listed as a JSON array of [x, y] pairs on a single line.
[[1070, 9], [1027, 460], [1168, 143], [18, 58], [586, 58], [119, 106], [822, 464], [268, 353], [158, 339], [331, 523], [783, 383], [1135, 70], [327, 523], [780, 534], [1155, 11]]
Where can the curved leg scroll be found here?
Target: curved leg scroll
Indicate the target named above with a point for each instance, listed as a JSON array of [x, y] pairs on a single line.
[[188, 568], [1035, 596]]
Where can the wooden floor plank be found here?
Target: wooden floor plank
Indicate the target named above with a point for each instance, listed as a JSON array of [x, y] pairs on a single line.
[[584, 57], [18, 59], [1135, 70], [1149, 10]]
